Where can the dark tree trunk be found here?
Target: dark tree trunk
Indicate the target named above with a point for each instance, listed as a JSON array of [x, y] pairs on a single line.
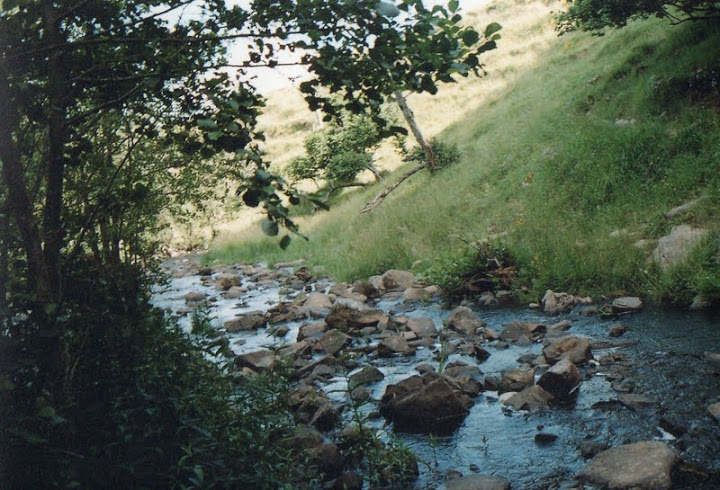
[[20, 205], [57, 86], [4, 264]]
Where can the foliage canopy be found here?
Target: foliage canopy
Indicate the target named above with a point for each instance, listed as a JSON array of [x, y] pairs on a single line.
[[595, 15]]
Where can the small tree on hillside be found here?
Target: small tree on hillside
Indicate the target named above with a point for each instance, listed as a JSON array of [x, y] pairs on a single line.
[[595, 15], [370, 51], [337, 153]]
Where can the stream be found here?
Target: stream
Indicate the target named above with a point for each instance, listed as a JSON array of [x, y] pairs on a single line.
[[662, 356]]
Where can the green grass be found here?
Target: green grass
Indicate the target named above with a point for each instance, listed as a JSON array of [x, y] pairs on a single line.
[[557, 123]]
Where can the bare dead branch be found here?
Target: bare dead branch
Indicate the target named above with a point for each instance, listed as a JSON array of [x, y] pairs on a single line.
[[377, 200]]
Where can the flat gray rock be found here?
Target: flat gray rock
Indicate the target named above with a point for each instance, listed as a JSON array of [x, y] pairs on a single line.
[[714, 411], [639, 466], [478, 482]]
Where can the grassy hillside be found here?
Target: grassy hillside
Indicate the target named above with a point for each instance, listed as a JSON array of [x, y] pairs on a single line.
[[574, 148]]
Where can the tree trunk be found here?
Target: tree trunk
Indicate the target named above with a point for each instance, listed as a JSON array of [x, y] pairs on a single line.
[[381, 197], [4, 267], [52, 219], [20, 205], [410, 119], [375, 172]]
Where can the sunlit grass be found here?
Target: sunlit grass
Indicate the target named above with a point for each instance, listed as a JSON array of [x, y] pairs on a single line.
[[573, 149]]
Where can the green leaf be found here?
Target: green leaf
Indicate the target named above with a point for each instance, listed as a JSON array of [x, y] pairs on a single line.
[[214, 135], [270, 228], [251, 198], [492, 29], [489, 46], [285, 242], [207, 123], [263, 175], [387, 9], [51, 309], [470, 37], [453, 5], [46, 412]]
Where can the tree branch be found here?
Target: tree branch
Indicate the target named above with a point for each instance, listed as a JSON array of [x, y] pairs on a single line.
[[377, 200]]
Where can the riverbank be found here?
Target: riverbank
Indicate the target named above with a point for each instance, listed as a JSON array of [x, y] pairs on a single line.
[[641, 376]]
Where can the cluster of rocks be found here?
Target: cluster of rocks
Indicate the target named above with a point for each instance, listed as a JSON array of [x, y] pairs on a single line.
[[341, 323]]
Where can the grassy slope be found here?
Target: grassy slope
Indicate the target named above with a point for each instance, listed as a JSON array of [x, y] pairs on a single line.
[[548, 116]]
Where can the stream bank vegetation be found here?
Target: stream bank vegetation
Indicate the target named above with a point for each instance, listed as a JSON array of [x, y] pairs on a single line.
[[114, 116], [572, 161]]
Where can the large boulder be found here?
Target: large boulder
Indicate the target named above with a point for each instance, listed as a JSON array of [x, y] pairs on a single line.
[[478, 482], [347, 315], [674, 248], [561, 380], [462, 319], [639, 466], [431, 404], [577, 349]]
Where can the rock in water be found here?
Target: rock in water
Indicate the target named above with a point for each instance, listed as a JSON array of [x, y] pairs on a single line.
[[347, 315], [462, 319], [332, 341], [641, 466], [517, 379], [478, 482], [532, 399], [714, 410], [626, 304], [577, 349], [554, 303], [246, 321], [561, 380], [430, 404], [367, 375]]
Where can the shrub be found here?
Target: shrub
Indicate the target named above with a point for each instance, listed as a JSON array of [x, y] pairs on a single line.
[[446, 154], [142, 404]]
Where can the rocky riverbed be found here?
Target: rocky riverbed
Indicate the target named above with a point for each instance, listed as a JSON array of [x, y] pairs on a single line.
[[574, 393]]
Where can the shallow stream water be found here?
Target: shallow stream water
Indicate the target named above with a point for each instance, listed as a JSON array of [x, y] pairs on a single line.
[[664, 349]]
